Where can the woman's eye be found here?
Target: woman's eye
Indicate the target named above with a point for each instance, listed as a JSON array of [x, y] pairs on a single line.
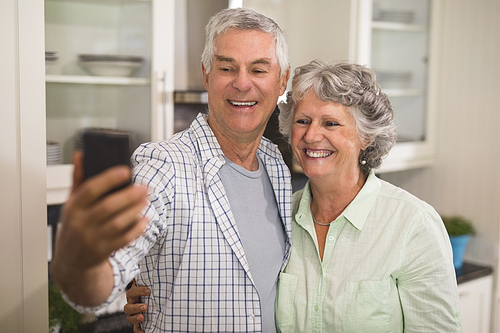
[[302, 121], [332, 123]]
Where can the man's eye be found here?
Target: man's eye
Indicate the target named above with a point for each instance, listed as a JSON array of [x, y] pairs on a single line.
[[225, 69]]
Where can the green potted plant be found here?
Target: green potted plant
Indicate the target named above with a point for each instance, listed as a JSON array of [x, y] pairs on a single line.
[[62, 317], [459, 229]]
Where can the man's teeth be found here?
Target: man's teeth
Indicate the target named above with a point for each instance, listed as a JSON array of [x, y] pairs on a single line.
[[242, 103], [318, 153]]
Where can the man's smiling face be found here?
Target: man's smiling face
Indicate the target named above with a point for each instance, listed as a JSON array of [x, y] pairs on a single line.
[[243, 84]]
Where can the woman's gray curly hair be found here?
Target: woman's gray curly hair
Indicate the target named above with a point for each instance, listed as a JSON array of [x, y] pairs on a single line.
[[351, 85]]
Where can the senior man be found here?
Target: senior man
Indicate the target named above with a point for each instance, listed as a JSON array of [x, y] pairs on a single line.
[[214, 228]]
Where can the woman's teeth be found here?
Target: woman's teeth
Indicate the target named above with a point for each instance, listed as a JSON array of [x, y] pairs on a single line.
[[242, 103], [317, 154]]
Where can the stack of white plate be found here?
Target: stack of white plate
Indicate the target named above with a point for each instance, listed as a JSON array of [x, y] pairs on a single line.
[[54, 155], [50, 58], [110, 65]]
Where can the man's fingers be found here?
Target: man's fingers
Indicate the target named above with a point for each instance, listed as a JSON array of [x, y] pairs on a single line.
[[121, 209], [106, 181], [87, 192], [131, 234], [125, 222], [116, 214], [77, 160]]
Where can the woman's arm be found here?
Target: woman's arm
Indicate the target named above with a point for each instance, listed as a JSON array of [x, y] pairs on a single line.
[[134, 309], [427, 283]]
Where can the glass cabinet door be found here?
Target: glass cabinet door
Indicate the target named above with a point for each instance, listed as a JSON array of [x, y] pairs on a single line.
[[399, 56], [106, 68], [401, 37], [105, 90]]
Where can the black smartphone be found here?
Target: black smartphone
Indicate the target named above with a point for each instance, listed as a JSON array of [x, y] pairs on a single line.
[[103, 149]]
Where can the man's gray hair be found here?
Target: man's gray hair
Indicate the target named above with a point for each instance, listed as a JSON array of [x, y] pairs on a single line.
[[351, 85], [243, 19]]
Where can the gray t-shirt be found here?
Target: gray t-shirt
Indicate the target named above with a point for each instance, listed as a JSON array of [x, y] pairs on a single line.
[[259, 225]]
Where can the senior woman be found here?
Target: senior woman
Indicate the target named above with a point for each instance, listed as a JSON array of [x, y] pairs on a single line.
[[366, 256]]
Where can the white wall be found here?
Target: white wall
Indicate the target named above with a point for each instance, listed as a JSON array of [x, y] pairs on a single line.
[[466, 177], [23, 239]]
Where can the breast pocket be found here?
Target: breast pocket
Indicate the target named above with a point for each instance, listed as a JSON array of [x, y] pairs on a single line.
[[285, 299], [367, 306]]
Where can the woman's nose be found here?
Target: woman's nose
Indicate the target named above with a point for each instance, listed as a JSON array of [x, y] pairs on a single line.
[[313, 133]]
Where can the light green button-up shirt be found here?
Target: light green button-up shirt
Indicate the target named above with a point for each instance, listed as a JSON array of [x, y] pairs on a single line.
[[387, 267]]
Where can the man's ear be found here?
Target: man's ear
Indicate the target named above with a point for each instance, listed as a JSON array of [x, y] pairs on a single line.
[[284, 81], [205, 76]]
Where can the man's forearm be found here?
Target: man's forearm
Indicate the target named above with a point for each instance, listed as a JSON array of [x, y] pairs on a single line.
[[89, 288]]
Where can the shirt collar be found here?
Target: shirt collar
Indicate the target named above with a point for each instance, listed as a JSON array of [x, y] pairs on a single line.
[[210, 147], [356, 212]]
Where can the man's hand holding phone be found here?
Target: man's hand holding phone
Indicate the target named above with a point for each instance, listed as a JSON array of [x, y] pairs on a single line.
[[96, 221]]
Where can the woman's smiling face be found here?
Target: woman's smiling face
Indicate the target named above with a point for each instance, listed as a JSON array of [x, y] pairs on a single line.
[[324, 139]]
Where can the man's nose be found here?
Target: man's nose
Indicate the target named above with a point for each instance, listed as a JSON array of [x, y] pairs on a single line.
[[242, 81]]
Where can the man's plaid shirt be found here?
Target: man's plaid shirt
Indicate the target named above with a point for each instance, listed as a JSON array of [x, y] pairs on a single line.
[[191, 256]]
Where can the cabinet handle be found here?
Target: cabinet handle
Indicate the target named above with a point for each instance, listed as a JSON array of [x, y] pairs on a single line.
[[166, 133], [164, 93]]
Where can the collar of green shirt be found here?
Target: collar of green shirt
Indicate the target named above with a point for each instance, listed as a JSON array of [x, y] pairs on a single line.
[[356, 212]]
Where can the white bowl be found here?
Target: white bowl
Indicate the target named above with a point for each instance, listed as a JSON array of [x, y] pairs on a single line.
[[110, 68]]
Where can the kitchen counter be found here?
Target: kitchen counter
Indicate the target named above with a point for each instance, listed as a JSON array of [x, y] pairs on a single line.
[[470, 272]]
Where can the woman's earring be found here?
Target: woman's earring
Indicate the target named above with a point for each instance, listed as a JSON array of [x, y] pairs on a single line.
[[362, 158]]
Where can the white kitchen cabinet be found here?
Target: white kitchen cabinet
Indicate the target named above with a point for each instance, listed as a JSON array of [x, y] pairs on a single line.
[[394, 37], [475, 304], [141, 103]]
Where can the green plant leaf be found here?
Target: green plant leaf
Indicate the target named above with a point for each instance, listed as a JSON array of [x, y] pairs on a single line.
[[60, 311], [458, 225]]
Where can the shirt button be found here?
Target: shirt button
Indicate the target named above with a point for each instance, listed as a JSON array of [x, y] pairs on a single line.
[[252, 316], [316, 308], [331, 238]]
